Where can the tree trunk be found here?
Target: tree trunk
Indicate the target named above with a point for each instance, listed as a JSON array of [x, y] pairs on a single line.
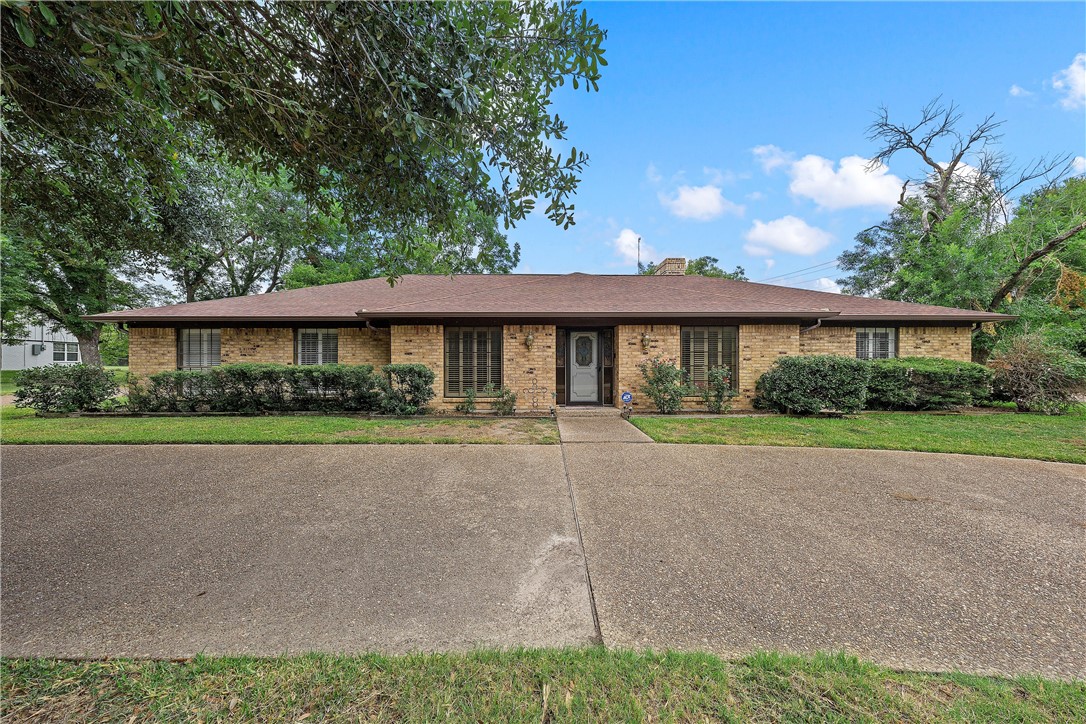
[[88, 347]]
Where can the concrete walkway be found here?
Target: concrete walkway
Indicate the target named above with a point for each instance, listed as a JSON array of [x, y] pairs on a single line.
[[596, 424]]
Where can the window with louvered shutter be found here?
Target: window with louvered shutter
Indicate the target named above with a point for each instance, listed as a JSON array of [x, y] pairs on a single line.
[[316, 346], [876, 342], [473, 360], [198, 349], [702, 348]]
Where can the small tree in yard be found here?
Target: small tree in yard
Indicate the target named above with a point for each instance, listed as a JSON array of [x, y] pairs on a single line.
[[664, 384], [1037, 375]]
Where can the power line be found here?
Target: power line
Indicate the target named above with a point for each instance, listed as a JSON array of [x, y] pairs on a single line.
[[798, 272]]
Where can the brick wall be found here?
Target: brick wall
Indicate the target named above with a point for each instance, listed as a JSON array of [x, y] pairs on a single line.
[[523, 368], [422, 344], [273, 345], [829, 340], [363, 346], [760, 345], [954, 343], [630, 352], [151, 350]]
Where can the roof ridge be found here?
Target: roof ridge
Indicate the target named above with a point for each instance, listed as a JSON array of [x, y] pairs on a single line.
[[452, 296]]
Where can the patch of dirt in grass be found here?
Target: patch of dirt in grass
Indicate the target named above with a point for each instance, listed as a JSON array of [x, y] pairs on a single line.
[[509, 431]]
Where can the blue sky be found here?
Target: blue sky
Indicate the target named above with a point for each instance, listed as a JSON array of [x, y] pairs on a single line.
[[692, 89]]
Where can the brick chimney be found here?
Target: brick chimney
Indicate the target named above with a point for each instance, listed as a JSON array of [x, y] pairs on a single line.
[[673, 266]]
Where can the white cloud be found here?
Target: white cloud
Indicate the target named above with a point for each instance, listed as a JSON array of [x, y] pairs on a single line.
[[788, 234], [755, 196], [825, 284], [702, 203], [770, 263], [850, 185], [1071, 81], [1079, 164], [652, 174], [771, 157], [1018, 91], [626, 246]]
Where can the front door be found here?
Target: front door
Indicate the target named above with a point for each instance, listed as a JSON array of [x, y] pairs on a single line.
[[584, 367]]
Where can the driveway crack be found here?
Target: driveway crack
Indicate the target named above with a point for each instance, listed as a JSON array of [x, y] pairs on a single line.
[[598, 636]]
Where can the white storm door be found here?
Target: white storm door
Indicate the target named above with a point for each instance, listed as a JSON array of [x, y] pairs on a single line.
[[584, 367]]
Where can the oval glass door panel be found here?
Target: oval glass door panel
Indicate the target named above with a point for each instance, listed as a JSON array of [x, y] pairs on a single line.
[[584, 372]]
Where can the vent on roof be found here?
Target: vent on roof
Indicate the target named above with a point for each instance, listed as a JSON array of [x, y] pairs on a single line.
[[672, 266]]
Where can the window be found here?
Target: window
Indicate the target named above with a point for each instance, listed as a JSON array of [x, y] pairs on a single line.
[[65, 351], [197, 349], [876, 342], [316, 346], [702, 348], [473, 359]]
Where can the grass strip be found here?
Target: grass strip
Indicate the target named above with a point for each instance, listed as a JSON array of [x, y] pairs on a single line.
[[19, 426], [571, 685], [1060, 438]]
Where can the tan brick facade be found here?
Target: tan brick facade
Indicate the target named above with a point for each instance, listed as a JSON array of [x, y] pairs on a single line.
[[760, 345], [828, 340], [422, 344], [269, 345], [523, 368], [151, 350], [154, 349], [631, 351], [362, 346], [954, 343]]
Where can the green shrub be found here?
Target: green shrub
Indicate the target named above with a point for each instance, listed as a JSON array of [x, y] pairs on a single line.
[[405, 389], [718, 392], [926, 383], [806, 385], [1037, 375], [505, 402], [468, 405], [259, 388], [665, 384], [64, 388]]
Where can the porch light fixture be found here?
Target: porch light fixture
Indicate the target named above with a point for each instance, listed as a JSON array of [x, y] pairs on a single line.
[[646, 340], [529, 340]]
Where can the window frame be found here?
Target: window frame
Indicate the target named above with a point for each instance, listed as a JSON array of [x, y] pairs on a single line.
[[66, 349], [700, 378], [870, 342], [323, 334], [214, 343], [495, 376]]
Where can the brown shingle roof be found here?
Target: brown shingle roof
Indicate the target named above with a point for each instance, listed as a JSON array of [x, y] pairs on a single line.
[[541, 296]]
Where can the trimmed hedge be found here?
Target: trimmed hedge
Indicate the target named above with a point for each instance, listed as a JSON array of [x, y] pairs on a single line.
[[807, 385], [926, 383], [65, 388], [395, 390]]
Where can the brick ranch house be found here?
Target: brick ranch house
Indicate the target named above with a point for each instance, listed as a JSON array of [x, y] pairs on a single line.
[[578, 337]]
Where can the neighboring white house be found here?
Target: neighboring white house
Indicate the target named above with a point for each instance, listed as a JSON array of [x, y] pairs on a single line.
[[43, 346]]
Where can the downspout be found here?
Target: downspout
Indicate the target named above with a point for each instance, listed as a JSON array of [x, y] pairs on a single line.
[[816, 325]]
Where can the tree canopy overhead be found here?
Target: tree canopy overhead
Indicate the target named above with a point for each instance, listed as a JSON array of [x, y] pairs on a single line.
[[390, 109]]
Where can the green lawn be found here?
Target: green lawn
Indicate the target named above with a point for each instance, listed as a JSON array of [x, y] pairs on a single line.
[[592, 684], [1060, 438], [20, 426]]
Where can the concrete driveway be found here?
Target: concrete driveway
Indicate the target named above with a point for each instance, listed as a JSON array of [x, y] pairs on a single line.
[[914, 560], [167, 551]]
